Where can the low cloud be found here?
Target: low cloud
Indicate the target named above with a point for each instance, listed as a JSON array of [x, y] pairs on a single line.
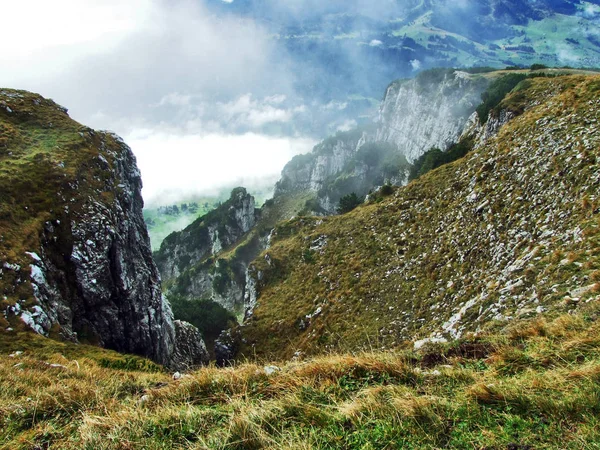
[[590, 11], [381, 9], [415, 64], [347, 125], [246, 111], [175, 166], [566, 54], [196, 95]]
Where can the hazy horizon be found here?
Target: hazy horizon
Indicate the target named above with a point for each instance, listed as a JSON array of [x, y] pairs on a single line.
[[214, 93]]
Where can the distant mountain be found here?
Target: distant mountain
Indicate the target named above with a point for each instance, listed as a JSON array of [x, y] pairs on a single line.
[[334, 47]]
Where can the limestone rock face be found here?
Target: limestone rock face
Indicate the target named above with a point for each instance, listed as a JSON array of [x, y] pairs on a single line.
[[190, 351], [481, 133], [428, 111], [89, 265], [419, 114], [311, 172], [95, 276], [109, 286], [208, 235], [251, 290], [196, 249], [119, 299]]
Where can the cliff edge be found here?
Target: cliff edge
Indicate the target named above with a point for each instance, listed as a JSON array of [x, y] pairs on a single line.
[[75, 256]]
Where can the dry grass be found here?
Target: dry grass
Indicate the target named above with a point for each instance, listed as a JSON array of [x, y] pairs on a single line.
[[537, 384]]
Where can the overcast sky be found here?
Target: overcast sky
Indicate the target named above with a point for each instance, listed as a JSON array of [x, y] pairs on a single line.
[[206, 99], [192, 93]]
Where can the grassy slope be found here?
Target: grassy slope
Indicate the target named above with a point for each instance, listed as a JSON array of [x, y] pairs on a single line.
[[512, 228], [534, 384]]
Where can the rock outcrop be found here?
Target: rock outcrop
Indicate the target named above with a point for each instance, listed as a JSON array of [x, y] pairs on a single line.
[[312, 171], [208, 235], [190, 351], [428, 111], [188, 260], [83, 270], [481, 133], [349, 162]]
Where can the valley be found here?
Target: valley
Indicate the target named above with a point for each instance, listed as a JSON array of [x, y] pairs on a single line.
[[427, 277], [458, 309]]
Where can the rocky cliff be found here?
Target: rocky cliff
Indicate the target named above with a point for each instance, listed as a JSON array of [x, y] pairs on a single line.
[[428, 111], [510, 231], [310, 172], [188, 260], [349, 162], [76, 259]]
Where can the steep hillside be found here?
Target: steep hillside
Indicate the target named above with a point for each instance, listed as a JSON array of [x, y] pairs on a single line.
[[200, 278], [207, 235], [206, 262], [510, 231], [430, 110], [75, 255]]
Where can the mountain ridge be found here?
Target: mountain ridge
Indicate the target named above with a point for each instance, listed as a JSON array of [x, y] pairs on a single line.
[[356, 162], [454, 216], [517, 216]]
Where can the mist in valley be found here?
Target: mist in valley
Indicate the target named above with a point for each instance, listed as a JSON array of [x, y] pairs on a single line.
[[215, 93]]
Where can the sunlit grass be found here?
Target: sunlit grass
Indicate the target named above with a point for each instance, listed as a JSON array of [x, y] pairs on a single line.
[[444, 396]]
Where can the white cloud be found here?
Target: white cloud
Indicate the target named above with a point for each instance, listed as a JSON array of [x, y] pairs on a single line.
[[245, 111], [175, 99], [239, 115], [51, 36], [174, 165], [590, 10], [339, 106], [276, 99], [347, 125], [119, 57], [566, 54], [375, 43], [66, 23], [170, 77], [415, 64]]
